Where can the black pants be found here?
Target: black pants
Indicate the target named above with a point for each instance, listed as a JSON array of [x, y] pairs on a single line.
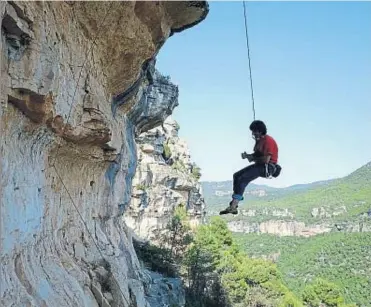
[[243, 177]]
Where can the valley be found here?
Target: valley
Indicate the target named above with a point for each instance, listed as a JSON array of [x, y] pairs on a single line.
[[311, 231]]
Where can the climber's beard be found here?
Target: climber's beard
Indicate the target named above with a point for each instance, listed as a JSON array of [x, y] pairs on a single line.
[[256, 136]]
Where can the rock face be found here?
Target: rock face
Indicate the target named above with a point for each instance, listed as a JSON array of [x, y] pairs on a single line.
[[268, 211], [281, 228], [76, 81], [165, 178], [164, 291]]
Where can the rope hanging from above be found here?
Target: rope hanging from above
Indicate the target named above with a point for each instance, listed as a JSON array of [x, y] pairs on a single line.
[[248, 54]]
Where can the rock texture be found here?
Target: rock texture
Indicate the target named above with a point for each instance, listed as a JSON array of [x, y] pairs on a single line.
[[74, 82], [268, 212], [280, 228], [282, 222], [160, 290], [165, 178]]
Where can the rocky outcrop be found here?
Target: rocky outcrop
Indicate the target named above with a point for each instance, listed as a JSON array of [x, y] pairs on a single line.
[[268, 212], [280, 228], [76, 78], [157, 102], [161, 291], [361, 224], [165, 178]]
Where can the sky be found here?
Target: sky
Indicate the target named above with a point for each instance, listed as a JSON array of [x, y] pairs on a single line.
[[311, 70]]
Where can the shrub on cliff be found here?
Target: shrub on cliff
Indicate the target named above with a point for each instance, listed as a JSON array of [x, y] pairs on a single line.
[[179, 166], [167, 152], [196, 171], [178, 235], [157, 259], [167, 257]]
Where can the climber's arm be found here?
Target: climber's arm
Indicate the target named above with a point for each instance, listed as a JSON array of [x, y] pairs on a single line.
[[256, 157], [262, 159]]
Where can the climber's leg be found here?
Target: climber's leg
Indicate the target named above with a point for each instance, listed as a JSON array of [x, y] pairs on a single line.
[[243, 177], [240, 180]]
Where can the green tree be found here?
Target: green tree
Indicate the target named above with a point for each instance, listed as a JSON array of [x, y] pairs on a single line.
[[178, 235], [246, 281], [259, 296], [323, 292], [204, 285]]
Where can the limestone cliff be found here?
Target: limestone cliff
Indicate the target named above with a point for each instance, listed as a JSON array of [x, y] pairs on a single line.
[[165, 178], [282, 222], [75, 85], [278, 227]]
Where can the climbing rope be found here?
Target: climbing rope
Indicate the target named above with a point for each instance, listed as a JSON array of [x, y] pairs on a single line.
[[55, 168], [248, 55], [268, 175]]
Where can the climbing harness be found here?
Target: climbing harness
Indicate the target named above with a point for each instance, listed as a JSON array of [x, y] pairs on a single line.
[[248, 55], [276, 170], [268, 175]]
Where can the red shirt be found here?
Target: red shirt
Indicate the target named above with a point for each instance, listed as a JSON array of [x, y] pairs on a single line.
[[267, 146]]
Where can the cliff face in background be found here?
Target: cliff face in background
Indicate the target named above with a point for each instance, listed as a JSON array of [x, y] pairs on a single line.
[[342, 204], [290, 227], [76, 81], [165, 178]]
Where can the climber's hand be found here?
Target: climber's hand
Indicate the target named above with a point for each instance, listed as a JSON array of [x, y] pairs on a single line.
[[247, 156], [250, 157]]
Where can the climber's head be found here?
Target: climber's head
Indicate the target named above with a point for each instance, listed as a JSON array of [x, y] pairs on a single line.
[[258, 129]]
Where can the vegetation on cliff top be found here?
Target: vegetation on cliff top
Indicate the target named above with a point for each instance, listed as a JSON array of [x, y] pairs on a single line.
[[342, 258]]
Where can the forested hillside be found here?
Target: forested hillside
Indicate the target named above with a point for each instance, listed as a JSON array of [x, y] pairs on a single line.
[[319, 235]]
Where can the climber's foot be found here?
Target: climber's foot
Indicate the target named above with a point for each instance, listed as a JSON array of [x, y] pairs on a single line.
[[232, 208]]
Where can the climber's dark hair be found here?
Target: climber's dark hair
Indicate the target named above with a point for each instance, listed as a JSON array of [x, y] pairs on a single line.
[[258, 125]]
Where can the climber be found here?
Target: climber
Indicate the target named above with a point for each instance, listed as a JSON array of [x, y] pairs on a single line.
[[265, 158]]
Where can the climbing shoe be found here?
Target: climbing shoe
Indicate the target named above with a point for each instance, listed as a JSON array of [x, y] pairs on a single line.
[[233, 205]]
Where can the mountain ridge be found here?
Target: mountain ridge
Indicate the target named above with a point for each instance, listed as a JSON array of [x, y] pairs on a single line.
[[293, 186], [210, 187]]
